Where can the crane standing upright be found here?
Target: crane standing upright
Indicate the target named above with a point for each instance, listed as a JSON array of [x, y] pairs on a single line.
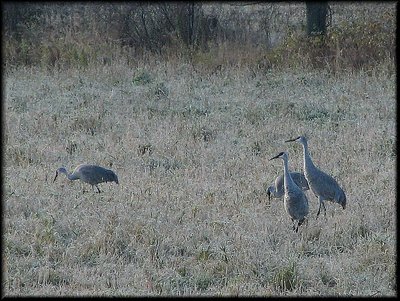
[[295, 201], [322, 185]]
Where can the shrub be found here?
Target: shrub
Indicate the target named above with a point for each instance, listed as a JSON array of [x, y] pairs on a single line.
[[286, 278]]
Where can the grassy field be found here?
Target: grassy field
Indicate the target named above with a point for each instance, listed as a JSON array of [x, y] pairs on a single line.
[[191, 150]]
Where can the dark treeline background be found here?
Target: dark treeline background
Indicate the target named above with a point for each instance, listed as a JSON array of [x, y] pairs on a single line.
[[266, 35]]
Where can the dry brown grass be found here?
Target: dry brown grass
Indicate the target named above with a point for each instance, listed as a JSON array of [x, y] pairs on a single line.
[[190, 216]]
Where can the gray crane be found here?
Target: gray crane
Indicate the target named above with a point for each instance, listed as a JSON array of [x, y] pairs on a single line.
[[321, 184], [91, 174], [276, 189], [295, 201]]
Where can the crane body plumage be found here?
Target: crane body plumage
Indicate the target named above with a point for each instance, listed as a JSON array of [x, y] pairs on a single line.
[[277, 190], [321, 184], [91, 174], [295, 201]]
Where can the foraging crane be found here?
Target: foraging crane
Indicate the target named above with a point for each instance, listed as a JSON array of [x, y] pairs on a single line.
[[295, 201], [322, 185], [91, 174], [276, 189]]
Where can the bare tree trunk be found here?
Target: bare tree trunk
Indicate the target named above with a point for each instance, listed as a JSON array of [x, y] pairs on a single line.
[[191, 24], [316, 18], [148, 38]]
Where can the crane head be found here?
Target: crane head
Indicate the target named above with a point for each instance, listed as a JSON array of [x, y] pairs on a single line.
[[281, 155], [299, 139], [62, 170]]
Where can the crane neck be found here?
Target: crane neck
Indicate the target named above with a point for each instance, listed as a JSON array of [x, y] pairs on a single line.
[[288, 179], [308, 163], [71, 176]]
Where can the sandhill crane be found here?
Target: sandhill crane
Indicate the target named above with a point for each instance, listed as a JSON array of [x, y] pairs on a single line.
[[322, 185], [91, 174], [277, 190], [295, 201]]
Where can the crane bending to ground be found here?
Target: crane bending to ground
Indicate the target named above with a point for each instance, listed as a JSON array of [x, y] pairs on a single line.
[[295, 201], [322, 185], [277, 190], [91, 174]]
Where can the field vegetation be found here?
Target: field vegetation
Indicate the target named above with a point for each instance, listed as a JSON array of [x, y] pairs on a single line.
[[189, 129]]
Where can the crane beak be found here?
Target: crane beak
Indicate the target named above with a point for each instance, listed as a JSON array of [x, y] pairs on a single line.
[[274, 157], [55, 176], [291, 140]]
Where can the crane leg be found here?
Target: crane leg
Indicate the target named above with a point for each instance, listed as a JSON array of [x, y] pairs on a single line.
[[300, 222], [321, 203], [98, 190], [293, 225], [319, 210]]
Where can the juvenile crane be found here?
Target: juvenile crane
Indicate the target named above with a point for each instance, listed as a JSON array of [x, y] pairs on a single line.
[[91, 174], [321, 184], [295, 201], [277, 190]]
